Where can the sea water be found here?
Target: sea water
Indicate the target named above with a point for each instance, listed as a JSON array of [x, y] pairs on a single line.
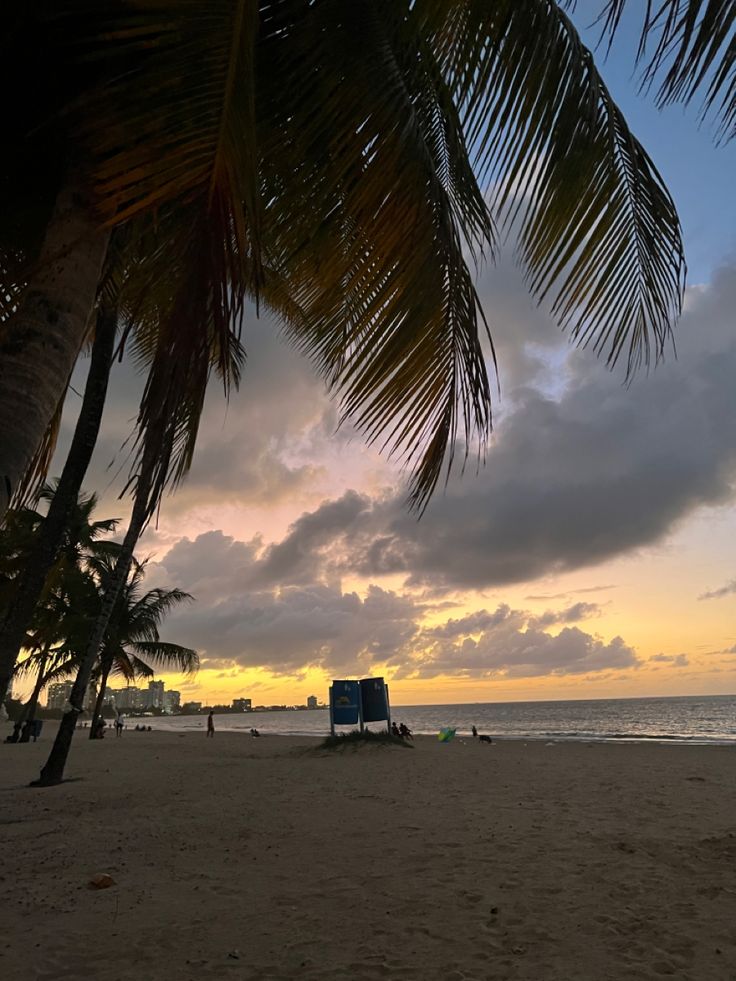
[[691, 719]]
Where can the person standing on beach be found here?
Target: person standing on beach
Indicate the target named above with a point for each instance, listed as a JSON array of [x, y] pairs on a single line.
[[210, 724], [474, 731]]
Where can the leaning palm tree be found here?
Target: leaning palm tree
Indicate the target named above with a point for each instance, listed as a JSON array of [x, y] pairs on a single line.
[[344, 147]]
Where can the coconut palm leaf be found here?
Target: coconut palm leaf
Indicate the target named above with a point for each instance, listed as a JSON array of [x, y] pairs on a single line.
[[62, 666], [694, 50], [163, 656], [390, 314], [133, 630], [598, 233]]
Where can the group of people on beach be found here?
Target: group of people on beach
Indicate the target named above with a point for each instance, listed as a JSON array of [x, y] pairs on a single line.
[[211, 727], [100, 727], [401, 731]]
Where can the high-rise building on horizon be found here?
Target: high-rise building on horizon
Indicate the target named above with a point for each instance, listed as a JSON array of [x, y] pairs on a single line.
[[128, 698], [171, 701], [312, 702], [155, 695], [58, 694], [242, 704]]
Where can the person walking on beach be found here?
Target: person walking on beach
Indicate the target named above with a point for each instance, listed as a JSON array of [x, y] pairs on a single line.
[[119, 724], [210, 724]]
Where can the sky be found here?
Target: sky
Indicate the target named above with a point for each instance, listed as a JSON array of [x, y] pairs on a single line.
[[592, 556]]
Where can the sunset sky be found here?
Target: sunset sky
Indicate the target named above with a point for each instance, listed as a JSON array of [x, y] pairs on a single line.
[[592, 556]]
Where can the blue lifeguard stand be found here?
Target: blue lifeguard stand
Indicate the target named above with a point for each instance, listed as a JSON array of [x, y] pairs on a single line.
[[358, 702]]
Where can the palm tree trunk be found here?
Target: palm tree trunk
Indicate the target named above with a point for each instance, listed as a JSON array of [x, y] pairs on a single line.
[[107, 659], [53, 772], [40, 343], [14, 625], [29, 709]]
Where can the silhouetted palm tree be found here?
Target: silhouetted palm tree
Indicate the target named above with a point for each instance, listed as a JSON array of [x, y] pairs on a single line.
[[132, 646], [47, 543]]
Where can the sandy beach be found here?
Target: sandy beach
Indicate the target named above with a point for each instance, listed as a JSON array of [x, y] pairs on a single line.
[[237, 858]]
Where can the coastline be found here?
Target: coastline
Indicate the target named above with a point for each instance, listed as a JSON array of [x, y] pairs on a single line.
[[601, 861]]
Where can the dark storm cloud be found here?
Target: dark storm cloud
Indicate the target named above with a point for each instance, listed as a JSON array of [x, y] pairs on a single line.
[[728, 590], [295, 558], [594, 472], [575, 480]]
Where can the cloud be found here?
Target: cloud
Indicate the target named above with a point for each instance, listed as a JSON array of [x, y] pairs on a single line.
[[575, 480], [511, 645], [675, 660], [597, 471], [259, 449], [295, 558], [572, 614], [554, 596], [726, 590], [247, 615], [582, 468]]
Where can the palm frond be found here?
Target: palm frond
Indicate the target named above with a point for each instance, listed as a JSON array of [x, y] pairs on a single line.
[[694, 51], [27, 489], [146, 614], [598, 231], [371, 203], [162, 655]]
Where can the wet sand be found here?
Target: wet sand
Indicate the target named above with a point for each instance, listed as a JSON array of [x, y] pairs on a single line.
[[245, 859]]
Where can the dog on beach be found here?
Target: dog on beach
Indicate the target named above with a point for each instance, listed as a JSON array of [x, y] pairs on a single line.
[[484, 739]]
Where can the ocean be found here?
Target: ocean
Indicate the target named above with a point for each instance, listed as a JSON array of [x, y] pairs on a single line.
[[686, 719]]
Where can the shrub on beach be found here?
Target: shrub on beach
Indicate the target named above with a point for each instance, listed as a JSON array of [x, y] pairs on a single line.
[[356, 739]]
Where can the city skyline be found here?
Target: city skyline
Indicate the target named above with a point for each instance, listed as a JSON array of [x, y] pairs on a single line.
[[156, 696]]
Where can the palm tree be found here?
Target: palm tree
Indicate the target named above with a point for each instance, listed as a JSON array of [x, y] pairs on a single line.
[[342, 146], [82, 539], [50, 664], [132, 645], [54, 631], [47, 543]]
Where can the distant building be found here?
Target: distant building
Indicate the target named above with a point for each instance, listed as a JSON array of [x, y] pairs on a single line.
[[58, 694], [312, 702], [155, 695], [128, 698], [241, 704], [172, 701], [190, 708]]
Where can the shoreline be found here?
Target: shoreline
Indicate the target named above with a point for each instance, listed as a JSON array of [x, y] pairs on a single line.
[[50, 726]]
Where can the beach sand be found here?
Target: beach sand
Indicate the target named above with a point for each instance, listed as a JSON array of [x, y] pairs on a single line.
[[237, 858]]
